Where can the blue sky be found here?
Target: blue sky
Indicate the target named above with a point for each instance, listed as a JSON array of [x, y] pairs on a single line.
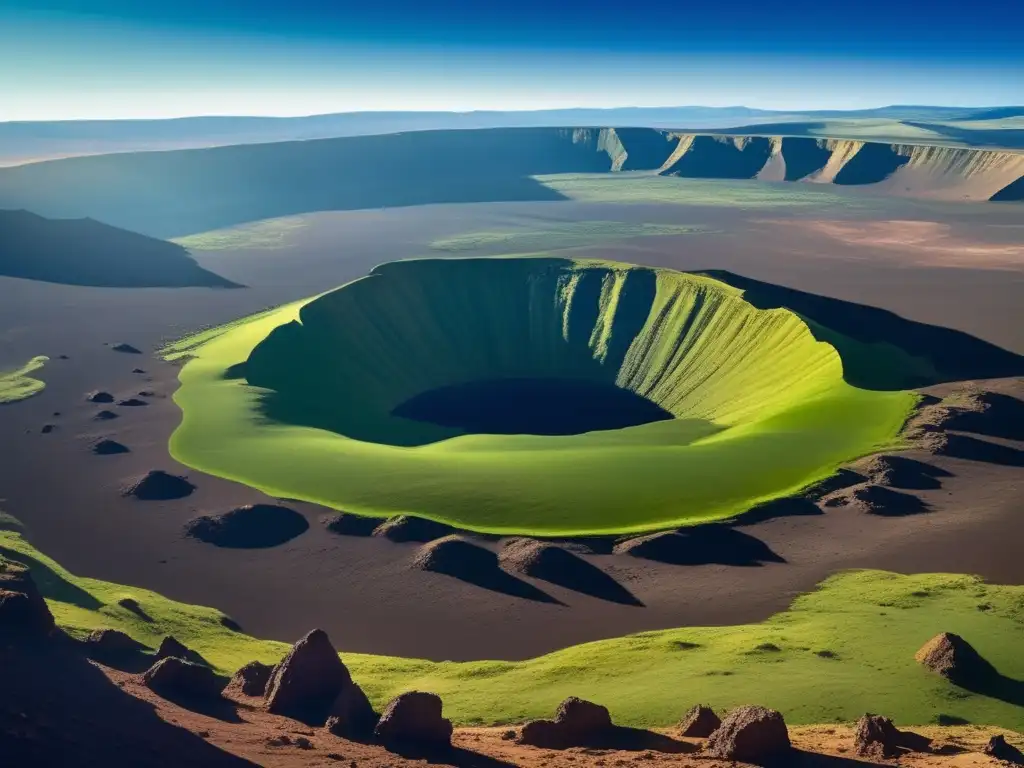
[[75, 59]]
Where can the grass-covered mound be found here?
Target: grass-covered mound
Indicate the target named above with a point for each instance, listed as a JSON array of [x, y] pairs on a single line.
[[17, 384], [313, 400], [842, 650]]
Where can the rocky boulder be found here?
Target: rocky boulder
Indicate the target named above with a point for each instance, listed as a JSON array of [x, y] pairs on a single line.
[[176, 678], [876, 736], [250, 680], [172, 647], [414, 719], [750, 734], [306, 683], [157, 485], [23, 611], [352, 716], [955, 659], [699, 723], [113, 641], [577, 723], [1000, 749]]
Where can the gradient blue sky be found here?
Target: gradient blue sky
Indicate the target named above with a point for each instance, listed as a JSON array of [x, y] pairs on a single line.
[[68, 59]]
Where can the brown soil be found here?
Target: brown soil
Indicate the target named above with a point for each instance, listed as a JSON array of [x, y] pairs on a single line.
[[254, 526], [69, 501]]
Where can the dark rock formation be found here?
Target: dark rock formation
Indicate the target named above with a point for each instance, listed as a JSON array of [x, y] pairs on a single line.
[[48, 428], [878, 500], [107, 447], [171, 647], [308, 680], [250, 527], [750, 734], [23, 611], [555, 564], [351, 715], [113, 641], [157, 485], [1000, 749], [904, 472], [876, 736], [126, 348], [173, 678], [132, 402], [404, 528], [700, 722], [955, 659], [99, 396], [415, 719], [577, 723], [348, 524], [250, 680], [105, 416]]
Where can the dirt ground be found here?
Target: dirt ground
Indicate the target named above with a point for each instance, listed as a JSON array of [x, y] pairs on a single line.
[[68, 498]]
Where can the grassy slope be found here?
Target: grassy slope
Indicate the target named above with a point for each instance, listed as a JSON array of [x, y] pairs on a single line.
[[871, 621], [270, 234], [554, 236], [17, 385], [750, 388]]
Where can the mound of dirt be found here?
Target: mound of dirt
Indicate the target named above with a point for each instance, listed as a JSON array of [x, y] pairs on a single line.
[[105, 416], [157, 485], [113, 641], [546, 561], [108, 447], [132, 402], [175, 678], [308, 680], [126, 348], [700, 722], [415, 719], [250, 680], [877, 737], [750, 734], [171, 647], [999, 749], [404, 528], [23, 611], [99, 396], [955, 659], [904, 472], [878, 500], [456, 556], [700, 545], [577, 723], [348, 524], [255, 526]]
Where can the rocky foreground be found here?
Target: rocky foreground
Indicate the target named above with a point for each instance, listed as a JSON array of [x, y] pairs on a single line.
[[105, 701]]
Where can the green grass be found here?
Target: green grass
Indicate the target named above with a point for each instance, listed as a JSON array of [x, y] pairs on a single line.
[[870, 622], [17, 385], [269, 234], [748, 388], [675, 190], [552, 236]]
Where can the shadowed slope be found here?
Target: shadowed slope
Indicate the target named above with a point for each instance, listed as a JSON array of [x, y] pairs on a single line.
[[86, 252]]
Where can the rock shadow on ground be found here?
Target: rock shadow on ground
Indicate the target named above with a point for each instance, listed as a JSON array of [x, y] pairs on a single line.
[[701, 545]]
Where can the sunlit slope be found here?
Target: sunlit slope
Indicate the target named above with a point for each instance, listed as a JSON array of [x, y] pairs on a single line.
[[760, 407]]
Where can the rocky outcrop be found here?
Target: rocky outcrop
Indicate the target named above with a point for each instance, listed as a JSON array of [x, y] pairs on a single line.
[[99, 396], [172, 647], [750, 734], [955, 659], [254, 526], [1000, 749], [23, 611], [577, 723], [157, 485], [176, 678], [876, 736], [700, 722], [414, 719], [404, 528], [113, 641], [250, 680], [352, 716], [306, 683]]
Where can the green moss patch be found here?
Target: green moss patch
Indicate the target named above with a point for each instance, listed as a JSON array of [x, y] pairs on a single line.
[[270, 234], [307, 401], [572, 234], [17, 384]]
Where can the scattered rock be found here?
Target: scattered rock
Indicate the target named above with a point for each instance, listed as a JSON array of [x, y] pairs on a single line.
[[249, 527], [303, 743], [132, 402], [904, 472], [108, 447], [878, 500], [99, 396], [700, 722], [577, 723], [456, 556], [750, 734], [113, 641], [173, 677], [351, 715], [415, 719], [955, 659], [147, 393], [700, 544], [876, 736], [403, 528], [126, 348], [63, 357], [105, 416], [1000, 749], [48, 428], [23, 611], [170, 647], [348, 524], [137, 370], [308, 680], [157, 485], [250, 680], [556, 564]]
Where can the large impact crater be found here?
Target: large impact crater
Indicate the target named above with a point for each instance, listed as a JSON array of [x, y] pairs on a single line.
[[528, 394]]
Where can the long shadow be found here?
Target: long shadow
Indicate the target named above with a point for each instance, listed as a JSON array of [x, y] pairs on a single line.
[[476, 565], [996, 686], [909, 474], [973, 449], [788, 506], [567, 569], [952, 355], [641, 740], [456, 756], [99, 724], [50, 584], [701, 545], [1004, 417]]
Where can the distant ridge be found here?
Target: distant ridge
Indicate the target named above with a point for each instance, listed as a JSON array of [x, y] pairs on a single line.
[[86, 252]]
